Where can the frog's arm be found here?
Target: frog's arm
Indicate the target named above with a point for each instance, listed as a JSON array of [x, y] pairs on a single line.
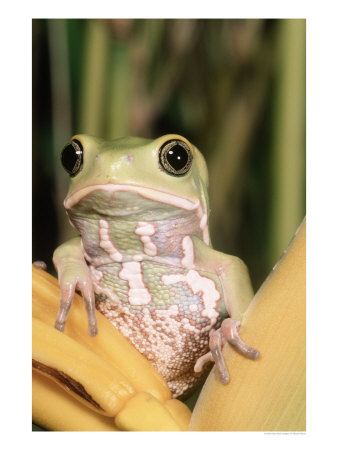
[[73, 273], [237, 292]]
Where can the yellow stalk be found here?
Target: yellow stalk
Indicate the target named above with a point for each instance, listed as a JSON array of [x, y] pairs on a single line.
[[267, 394], [54, 409], [90, 379], [143, 412], [180, 412]]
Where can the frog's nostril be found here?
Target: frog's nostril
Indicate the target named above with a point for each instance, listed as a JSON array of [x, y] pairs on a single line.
[[129, 158]]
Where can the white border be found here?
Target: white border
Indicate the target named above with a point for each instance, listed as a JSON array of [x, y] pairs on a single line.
[[322, 76]]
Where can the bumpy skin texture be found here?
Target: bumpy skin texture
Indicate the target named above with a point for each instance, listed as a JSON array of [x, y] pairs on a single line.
[[144, 258]]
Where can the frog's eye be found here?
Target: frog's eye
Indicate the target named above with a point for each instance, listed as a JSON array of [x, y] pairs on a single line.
[[175, 157], [72, 157]]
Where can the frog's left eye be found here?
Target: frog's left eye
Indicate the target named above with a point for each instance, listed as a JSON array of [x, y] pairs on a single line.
[[72, 157], [175, 157]]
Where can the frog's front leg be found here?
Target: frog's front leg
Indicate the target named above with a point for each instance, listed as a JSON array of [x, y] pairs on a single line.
[[73, 273], [237, 293]]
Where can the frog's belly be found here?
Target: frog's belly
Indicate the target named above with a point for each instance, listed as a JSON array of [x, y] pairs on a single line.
[[168, 318]]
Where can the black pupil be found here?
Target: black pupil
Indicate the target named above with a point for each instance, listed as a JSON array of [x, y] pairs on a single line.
[[177, 157], [71, 158]]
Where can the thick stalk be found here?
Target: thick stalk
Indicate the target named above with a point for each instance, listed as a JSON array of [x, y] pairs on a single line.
[[267, 394]]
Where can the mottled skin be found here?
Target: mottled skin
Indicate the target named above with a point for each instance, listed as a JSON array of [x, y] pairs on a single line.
[[145, 261]]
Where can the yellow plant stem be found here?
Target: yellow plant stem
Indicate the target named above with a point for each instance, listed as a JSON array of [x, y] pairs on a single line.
[[54, 409], [91, 379], [268, 394], [180, 412], [144, 412]]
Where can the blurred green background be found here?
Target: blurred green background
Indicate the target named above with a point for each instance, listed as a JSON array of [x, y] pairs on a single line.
[[234, 88]]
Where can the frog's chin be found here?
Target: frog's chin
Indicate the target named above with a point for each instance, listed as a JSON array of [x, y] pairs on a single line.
[[156, 195], [136, 203]]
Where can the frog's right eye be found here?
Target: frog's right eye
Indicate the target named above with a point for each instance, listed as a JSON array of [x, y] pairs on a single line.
[[72, 157], [175, 157]]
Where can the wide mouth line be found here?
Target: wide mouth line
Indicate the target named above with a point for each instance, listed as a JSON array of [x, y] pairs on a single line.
[[146, 192]]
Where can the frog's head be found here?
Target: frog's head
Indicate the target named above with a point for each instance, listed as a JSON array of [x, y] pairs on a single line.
[[148, 179]]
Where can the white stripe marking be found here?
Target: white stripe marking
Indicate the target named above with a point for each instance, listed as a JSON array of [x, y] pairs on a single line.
[[197, 283], [106, 243], [188, 251], [145, 230], [138, 294]]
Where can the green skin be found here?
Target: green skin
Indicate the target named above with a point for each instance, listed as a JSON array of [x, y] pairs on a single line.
[[145, 261]]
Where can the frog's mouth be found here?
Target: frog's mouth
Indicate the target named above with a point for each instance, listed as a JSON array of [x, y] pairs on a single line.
[[155, 195], [130, 201]]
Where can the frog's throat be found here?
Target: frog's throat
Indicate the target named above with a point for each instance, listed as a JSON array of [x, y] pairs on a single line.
[[150, 194]]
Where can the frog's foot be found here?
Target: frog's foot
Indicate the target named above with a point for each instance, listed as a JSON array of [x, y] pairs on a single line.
[[227, 333], [67, 288], [40, 265]]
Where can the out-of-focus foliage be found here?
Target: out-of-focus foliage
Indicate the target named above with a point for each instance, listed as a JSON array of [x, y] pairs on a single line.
[[235, 88]]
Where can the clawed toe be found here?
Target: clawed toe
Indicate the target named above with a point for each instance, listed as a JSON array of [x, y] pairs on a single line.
[[229, 329], [227, 333]]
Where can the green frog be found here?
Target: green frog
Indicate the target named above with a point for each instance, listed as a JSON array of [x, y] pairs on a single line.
[[144, 257]]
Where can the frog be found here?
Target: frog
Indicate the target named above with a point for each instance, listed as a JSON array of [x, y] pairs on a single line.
[[144, 259]]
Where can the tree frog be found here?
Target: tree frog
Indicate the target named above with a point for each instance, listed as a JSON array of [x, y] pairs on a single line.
[[144, 257]]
